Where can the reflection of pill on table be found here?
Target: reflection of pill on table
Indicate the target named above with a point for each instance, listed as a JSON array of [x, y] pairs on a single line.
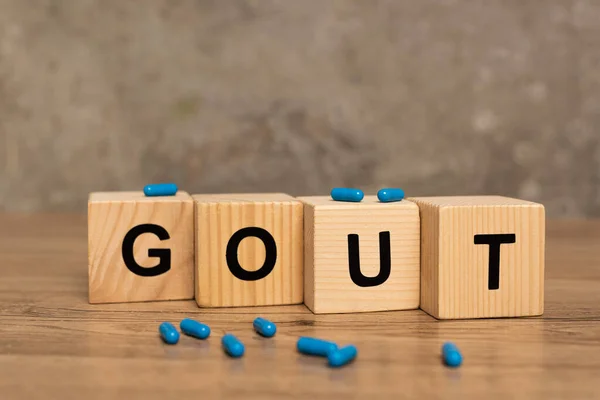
[[194, 328], [160, 189], [342, 356], [232, 345], [168, 333], [264, 327], [390, 194], [451, 355], [347, 194], [315, 347]]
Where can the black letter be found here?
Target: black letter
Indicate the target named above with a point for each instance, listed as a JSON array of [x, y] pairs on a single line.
[[495, 241], [163, 254], [232, 254], [384, 256]]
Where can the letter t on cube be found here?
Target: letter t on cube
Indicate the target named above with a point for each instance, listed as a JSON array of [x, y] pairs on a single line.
[[360, 256], [482, 256]]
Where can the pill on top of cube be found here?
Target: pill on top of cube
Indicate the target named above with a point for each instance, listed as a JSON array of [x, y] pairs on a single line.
[[347, 194], [160, 189], [389, 195]]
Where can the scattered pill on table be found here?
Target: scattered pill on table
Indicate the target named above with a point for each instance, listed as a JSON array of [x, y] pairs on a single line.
[[160, 189], [388, 195], [315, 347], [232, 345], [194, 328], [347, 194], [168, 333], [264, 327], [343, 356], [451, 355]]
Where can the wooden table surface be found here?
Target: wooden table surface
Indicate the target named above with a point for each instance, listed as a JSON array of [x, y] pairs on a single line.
[[53, 344]]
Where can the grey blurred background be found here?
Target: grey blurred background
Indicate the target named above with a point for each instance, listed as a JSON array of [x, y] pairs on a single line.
[[437, 97]]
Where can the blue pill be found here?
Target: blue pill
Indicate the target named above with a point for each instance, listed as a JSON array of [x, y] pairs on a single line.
[[194, 328], [451, 355], [342, 356], [232, 345], [160, 189], [390, 194], [315, 347], [347, 194], [168, 333], [264, 327]]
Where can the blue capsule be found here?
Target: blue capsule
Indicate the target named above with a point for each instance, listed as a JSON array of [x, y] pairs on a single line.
[[264, 327], [315, 347], [232, 345], [168, 333], [347, 194], [451, 355], [390, 194], [160, 189], [342, 356], [194, 328]]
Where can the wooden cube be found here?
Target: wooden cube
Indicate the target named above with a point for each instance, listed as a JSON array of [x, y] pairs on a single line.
[[248, 250], [360, 256], [481, 257], [140, 248]]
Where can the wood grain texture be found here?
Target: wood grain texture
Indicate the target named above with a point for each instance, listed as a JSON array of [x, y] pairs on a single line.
[[55, 345], [328, 287], [110, 216], [455, 270], [217, 218]]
